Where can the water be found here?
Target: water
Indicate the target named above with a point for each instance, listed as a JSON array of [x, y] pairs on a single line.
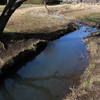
[[50, 75]]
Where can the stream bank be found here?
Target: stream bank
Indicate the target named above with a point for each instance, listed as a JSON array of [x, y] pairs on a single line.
[[21, 45], [89, 88]]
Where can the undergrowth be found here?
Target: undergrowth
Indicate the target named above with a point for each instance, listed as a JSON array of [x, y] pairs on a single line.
[[8, 32], [95, 18]]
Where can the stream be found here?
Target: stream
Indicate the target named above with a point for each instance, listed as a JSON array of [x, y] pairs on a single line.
[[53, 73]]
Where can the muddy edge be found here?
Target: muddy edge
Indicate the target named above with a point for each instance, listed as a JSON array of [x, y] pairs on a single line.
[[89, 88], [31, 47]]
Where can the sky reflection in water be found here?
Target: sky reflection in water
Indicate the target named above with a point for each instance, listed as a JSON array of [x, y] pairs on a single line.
[[50, 75]]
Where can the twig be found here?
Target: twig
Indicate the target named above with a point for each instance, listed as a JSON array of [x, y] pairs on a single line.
[[81, 56]]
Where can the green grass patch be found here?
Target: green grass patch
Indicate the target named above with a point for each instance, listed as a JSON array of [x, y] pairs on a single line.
[[91, 18], [94, 18], [87, 72], [8, 32], [92, 65], [86, 84], [34, 2], [2, 7], [26, 5]]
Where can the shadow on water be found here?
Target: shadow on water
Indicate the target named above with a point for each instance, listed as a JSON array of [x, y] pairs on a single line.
[[49, 75], [19, 80]]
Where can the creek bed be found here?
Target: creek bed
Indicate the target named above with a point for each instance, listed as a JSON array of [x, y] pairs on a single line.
[[53, 73]]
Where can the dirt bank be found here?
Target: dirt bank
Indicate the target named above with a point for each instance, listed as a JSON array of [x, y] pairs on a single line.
[[27, 31]]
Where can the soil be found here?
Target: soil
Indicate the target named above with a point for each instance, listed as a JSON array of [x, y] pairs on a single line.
[[32, 27], [27, 28]]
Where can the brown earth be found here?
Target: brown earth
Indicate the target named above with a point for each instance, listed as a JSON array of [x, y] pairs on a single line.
[[32, 26], [27, 28]]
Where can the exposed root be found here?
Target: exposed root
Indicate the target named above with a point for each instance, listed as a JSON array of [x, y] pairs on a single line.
[[3, 45]]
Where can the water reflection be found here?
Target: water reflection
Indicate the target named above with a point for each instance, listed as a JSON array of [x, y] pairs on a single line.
[[29, 83], [6, 94], [51, 73]]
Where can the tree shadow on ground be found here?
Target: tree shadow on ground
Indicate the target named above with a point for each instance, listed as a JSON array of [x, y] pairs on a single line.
[[7, 38]]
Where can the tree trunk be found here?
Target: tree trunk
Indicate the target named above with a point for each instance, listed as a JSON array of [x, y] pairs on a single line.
[[46, 7], [7, 12], [7, 2]]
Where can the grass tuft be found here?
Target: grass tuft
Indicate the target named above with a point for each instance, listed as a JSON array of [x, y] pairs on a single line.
[[86, 84], [8, 32]]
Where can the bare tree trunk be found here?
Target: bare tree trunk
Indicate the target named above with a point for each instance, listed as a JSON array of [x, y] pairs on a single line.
[[8, 11], [7, 2], [46, 7]]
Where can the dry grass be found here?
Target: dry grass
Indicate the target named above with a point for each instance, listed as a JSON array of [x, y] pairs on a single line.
[[35, 19]]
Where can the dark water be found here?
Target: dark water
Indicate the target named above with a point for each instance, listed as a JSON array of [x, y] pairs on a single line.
[[50, 75]]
